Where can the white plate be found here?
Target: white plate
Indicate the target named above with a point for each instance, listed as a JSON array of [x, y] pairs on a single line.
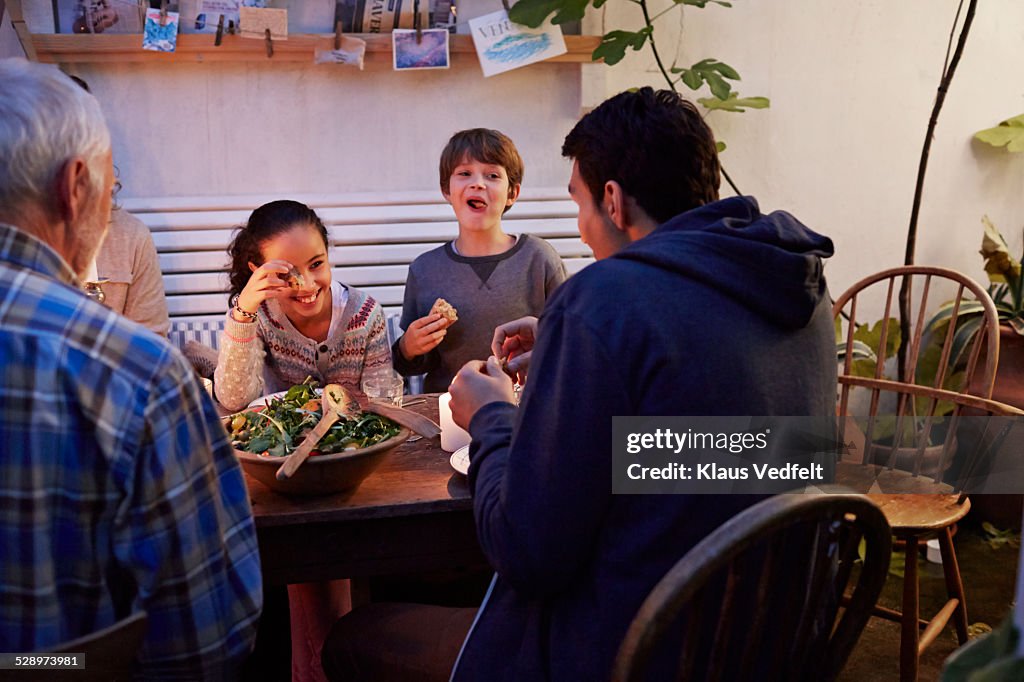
[[460, 460], [262, 400]]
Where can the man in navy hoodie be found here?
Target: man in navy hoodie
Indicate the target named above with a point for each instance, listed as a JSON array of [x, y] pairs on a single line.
[[695, 307]]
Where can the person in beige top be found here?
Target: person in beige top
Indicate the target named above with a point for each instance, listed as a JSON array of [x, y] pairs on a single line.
[[127, 259], [129, 263]]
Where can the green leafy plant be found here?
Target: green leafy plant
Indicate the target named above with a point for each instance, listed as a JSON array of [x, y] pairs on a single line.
[[989, 658], [1004, 277], [1009, 134], [717, 75], [867, 356], [1006, 287], [1000, 538]]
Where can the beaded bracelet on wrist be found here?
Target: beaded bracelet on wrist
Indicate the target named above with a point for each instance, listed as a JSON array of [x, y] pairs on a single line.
[[250, 317]]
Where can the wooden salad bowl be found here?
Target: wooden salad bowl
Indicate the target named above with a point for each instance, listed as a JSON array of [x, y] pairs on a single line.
[[321, 474]]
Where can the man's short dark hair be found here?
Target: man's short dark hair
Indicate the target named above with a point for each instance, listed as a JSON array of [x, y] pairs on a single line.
[[653, 143]]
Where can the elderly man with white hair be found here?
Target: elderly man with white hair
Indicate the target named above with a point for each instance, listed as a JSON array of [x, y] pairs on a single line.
[[118, 489]]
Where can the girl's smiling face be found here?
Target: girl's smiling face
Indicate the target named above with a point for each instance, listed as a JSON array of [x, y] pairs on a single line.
[[304, 248], [479, 193]]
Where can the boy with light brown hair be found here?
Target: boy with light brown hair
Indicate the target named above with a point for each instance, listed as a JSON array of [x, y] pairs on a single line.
[[487, 275]]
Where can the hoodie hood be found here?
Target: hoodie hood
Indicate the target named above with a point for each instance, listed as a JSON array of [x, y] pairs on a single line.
[[772, 264]]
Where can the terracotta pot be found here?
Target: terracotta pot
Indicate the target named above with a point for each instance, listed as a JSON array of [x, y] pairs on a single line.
[[1004, 511], [1009, 386]]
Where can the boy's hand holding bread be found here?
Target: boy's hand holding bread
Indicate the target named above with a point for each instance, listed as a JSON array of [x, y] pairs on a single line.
[[424, 334]]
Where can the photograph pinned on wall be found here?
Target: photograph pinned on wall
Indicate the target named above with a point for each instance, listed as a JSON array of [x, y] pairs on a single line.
[[256, 20], [351, 52], [201, 16], [503, 45], [430, 51], [161, 32], [99, 16]]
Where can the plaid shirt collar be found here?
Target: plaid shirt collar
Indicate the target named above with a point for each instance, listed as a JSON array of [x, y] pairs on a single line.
[[24, 251]]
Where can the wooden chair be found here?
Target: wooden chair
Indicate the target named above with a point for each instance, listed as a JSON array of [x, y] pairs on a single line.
[[936, 443], [109, 653], [757, 599]]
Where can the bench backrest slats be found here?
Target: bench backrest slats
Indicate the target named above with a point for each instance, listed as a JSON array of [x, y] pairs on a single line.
[[373, 237]]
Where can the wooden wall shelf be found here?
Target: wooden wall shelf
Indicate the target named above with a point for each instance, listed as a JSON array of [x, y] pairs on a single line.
[[68, 48]]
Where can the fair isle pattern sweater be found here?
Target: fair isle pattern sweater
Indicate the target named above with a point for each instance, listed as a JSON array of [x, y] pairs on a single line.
[[271, 355]]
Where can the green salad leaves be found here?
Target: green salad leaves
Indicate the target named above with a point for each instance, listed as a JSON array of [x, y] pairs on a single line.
[[283, 423]]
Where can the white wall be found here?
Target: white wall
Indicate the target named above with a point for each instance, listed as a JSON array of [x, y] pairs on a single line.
[[197, 129], [851, 84]]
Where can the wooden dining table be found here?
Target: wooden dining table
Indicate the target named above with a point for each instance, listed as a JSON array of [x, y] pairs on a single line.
[[412, 514]]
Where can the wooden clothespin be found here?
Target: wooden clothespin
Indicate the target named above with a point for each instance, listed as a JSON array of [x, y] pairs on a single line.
[[163, 12], [416, 20], [337, 35], [220, 31], [270, 43]]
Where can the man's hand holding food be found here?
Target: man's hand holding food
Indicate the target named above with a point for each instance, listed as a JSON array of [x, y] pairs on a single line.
[[513, 341], [478, 383]]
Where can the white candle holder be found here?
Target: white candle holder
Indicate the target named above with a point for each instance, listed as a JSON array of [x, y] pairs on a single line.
[[453, 436]]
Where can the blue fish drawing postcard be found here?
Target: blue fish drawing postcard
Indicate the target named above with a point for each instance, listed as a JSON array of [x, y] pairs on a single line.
[[503, 45], [160, 33]]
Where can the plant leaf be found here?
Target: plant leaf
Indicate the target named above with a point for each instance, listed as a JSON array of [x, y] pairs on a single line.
[[861, 351], [701, 3], [872, 336], [691, 78], [615, 43], [719, 87], [1009, 134], [714, 73], [720, 146], [999, 264], [734, 103], [532, 13]]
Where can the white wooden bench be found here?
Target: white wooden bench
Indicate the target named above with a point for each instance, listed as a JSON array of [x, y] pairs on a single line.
[[373, 239]]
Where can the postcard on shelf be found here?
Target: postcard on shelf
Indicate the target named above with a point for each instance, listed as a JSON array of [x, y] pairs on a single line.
[[201, 16], [161, 33], [429, 51], [351, 53], [380, 16], [308, 16], [503, 45], [256, 21], [98, 16]]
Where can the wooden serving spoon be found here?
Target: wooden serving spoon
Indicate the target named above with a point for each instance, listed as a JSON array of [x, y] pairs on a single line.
[[335, 402]]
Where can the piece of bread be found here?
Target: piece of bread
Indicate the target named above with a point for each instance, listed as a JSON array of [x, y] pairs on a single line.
[[445, 310], [294, 278]]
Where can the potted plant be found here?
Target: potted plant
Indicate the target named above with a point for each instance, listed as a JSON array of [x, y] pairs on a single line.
[[887, 430], [1006, 287]]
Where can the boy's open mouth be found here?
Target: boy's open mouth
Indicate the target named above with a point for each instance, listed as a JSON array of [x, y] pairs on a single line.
[[477, 204]]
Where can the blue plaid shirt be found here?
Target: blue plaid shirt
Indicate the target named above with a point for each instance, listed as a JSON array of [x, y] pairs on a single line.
[[118, 488]]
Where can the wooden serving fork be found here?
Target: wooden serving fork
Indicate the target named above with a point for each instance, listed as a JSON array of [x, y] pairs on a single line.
[[335, 402]]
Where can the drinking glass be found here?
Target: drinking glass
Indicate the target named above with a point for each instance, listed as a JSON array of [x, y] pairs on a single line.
[[384, 386]]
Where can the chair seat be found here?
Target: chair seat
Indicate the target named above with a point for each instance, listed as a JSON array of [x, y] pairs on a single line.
[[911, 504], [917, 514]]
